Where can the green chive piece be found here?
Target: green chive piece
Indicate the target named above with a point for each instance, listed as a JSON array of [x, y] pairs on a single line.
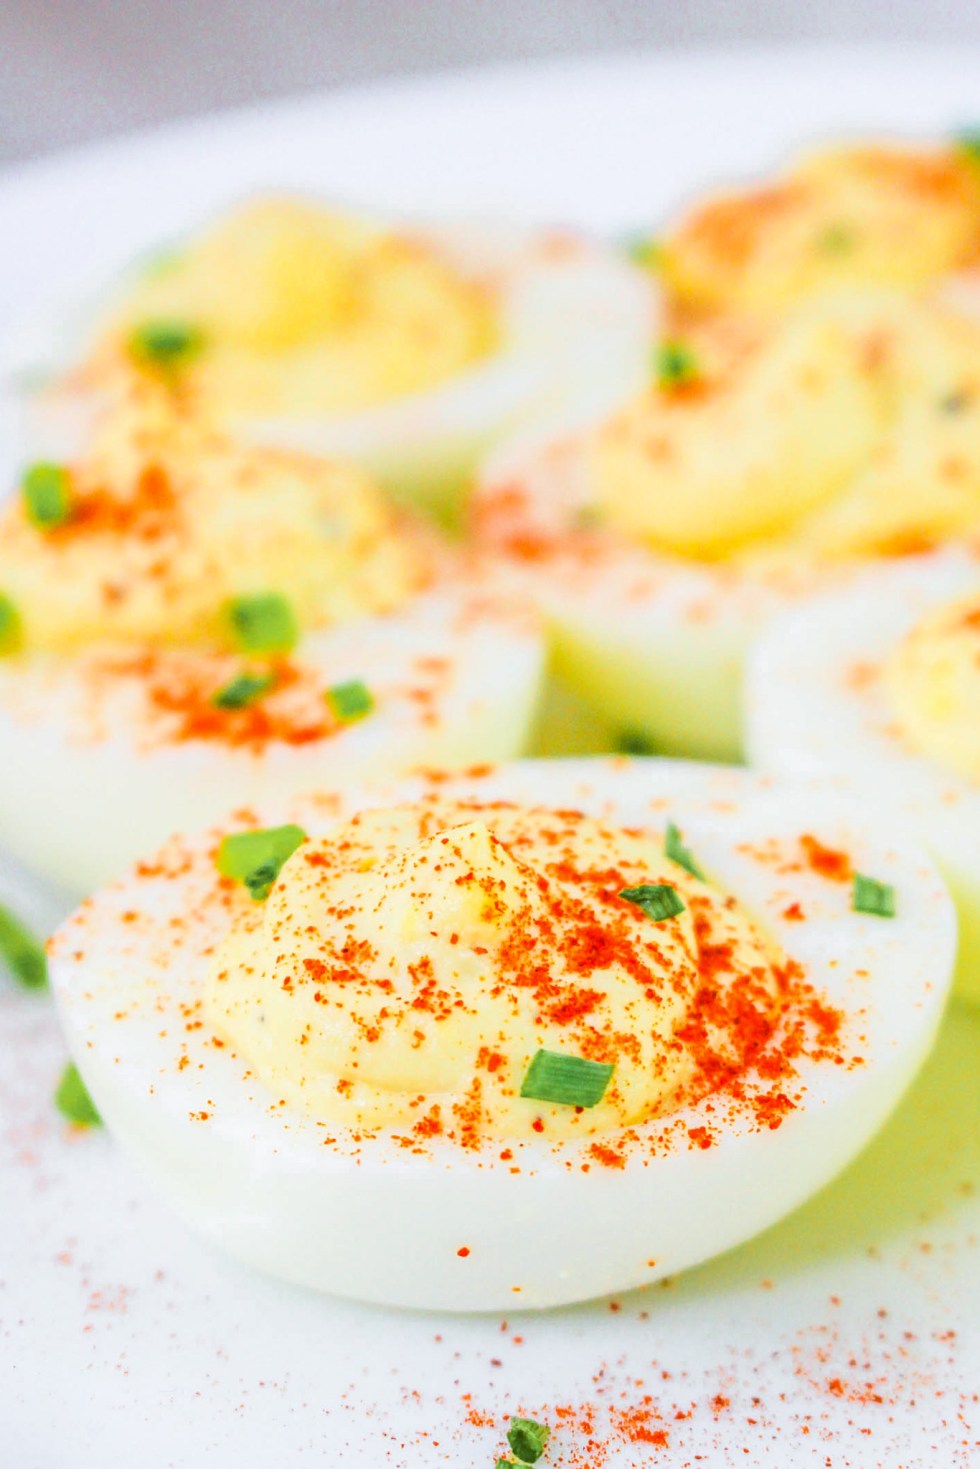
[[264, 623], [679, 853], [11, 632], [675, 365], [658, 900], [572, 1080], [165, 344], [505, 1464], [868, 895], [242, 690], [634, 742], [644, 250], [836, 239], [527, 1439], [47, 496], [21, 952], [256, 858], [73, 1101], [350, 701], [968, 143]]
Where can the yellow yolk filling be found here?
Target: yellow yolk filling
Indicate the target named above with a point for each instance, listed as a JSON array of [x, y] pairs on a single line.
[[861, 215], [405, 970], [302, 311], [169, 521], [850, 427], [933, 682]]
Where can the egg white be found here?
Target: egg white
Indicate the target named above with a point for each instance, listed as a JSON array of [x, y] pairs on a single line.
[[372, 1220], [807, 716], [653, 644], [84, 790], [577, 323]]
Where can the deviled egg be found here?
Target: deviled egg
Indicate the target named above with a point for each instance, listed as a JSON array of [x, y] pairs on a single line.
[[761, 461], [408, 348], [186, 623], [879, 686], [507, 1039]]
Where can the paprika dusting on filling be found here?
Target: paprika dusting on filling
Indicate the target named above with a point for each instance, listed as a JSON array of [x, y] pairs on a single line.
[[406, 969]]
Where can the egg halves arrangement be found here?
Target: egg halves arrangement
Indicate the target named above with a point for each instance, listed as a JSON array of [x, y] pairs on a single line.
[[322, 520]]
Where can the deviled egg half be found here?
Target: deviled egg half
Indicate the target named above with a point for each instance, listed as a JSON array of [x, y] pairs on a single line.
[[408, 348], [186, 623], [879, 686], [507, 1039], [785, 436]]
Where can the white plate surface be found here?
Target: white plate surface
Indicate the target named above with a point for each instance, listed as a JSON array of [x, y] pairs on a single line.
[[847, 1336]]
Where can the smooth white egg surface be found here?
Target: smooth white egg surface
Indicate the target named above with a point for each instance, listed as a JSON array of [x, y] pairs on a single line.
[[573, 325], [549, 1204], [817, 705], [653, 645], [109, 749]]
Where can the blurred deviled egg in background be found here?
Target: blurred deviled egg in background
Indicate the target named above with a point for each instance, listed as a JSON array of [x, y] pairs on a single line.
[[879, 686], [778, 444], [187, 624], [406, 347]]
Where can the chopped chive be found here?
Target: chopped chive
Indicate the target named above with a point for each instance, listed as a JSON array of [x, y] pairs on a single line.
[[256, 858], [555, 1077], [46, 493], [644, 250], [264, 623], [73, 1101], [968, 143], [658, 900], [11, 632], [956, 401], [634, 742], [350, 701], [675, 365], [21, 952], [505, 1464], [836, 239], [527, 1439], [165, 344], [868, 895], [679, 853], [242, 690]]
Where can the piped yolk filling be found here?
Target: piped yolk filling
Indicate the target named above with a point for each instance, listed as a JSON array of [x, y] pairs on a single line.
[[932, 681], [406, 969]]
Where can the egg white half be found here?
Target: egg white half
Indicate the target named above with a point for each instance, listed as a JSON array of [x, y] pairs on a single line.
[[577, 323], [458, 1230], [85, 786], [815, 708]]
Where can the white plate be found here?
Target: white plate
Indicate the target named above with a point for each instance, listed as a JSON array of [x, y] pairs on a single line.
[[847, 1336]]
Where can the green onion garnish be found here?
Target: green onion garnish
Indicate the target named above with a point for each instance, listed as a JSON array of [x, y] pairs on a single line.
[[554, 1077], [836, 239], [242, 690], [868, 895], [675, 365], [21, 952], [165, 344], [644, 250], [350, 701], [505, 1464], [527, 1439], [968, 143], [256, 858], [679, 853], [634, 742], [658, 900], [73, 1101], [10, 628], [47, 496], [262, 624]]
